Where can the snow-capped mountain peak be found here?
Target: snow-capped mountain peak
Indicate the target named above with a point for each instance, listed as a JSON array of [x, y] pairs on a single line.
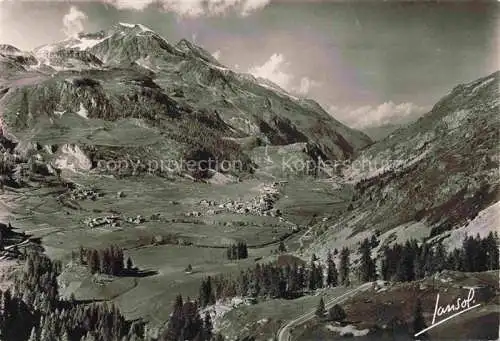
[[138, 26]]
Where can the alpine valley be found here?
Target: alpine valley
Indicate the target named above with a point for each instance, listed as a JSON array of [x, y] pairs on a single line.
[[297, 227]]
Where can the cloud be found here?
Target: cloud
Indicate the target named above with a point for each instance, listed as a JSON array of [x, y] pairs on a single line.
[[216, 54], [305, 85], [275, 70], [194, 8], [253, 5], [375, 116], [74, 22], [129, 4], [272, 70]]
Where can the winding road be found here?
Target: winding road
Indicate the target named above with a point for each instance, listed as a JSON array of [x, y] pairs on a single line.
[[284, 334]]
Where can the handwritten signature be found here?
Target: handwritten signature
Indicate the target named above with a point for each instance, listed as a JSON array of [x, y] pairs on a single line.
[[461, 306]]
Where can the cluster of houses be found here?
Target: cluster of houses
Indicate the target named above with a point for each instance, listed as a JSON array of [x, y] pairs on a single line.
[[262, 205], [112, 221]]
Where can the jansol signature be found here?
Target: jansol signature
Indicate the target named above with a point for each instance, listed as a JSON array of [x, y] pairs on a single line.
[[460, 306]]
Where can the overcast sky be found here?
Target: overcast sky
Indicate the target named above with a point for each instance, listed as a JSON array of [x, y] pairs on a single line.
[[369, 64]]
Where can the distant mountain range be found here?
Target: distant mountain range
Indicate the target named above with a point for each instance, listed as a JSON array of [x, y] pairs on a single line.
[[140, 84]]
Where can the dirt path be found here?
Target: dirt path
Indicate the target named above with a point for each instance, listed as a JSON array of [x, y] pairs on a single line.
[[285, 332]]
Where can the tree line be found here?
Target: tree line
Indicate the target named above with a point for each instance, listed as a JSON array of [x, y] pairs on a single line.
[[411, 261], [108, 261], [186, 324], [237, 251], [399, 262], [274, 281], [31, 310]]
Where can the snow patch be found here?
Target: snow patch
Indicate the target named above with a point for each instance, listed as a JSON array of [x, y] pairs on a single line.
[[83, 112], [85, 43], [45, 49], [142, 27], [145, 63], [43, 53], [127, 25]]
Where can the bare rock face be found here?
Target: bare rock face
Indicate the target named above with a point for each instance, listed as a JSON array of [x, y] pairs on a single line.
[[71, 157], [15, 59]]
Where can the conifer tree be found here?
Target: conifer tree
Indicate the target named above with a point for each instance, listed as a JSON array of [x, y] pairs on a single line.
[[207, 326], [331, 271], [418, 321], [405, 269], [312, 274], [175, 323], [94, 261], [319, 276], [344, 266], [491, 249], [367, 271], [320, 309]]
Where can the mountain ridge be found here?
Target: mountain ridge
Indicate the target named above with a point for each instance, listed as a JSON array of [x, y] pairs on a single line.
[[129, 71], [435, 174]]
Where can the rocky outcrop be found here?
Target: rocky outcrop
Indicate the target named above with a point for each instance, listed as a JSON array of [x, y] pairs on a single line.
[[71, 157]]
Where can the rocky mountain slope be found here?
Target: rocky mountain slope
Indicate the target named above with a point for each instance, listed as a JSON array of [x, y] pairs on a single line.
[[379, 133], [105, 92], [428, 178]]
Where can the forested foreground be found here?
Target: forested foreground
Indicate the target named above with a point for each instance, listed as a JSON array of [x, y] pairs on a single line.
[[398, 263], [31, 309]]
